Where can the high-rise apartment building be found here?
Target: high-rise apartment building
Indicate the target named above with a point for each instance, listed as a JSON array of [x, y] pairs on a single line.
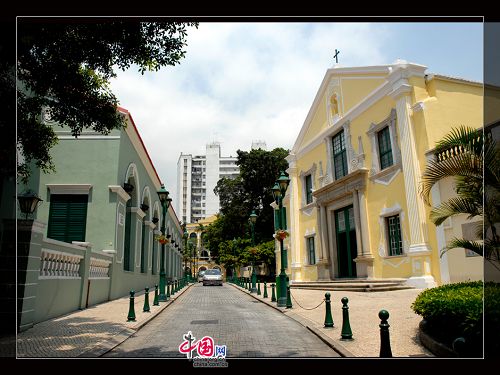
[[197, 177]]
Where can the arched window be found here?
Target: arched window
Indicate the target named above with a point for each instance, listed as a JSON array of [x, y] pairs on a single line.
[[129, 249], [144, 235]]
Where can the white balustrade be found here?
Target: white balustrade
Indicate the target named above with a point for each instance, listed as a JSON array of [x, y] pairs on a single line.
[[99, 268], [59, 265]]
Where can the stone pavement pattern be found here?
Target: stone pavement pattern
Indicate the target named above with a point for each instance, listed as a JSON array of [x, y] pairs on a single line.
[[363, 315], [73, 334], [79, 332], [248, 328]]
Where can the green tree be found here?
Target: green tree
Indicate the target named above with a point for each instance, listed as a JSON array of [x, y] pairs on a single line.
[[251, 190], [472, 159], [64, 68]]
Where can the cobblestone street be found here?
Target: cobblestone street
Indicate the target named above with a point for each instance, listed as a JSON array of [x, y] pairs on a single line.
[[247, 327]]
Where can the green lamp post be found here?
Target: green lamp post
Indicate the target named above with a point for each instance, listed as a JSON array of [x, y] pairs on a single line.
[[253, 219], [186, 252], [165, 203], [279, 190]]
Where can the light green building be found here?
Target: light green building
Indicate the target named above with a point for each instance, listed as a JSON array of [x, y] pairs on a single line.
[[93, 237]]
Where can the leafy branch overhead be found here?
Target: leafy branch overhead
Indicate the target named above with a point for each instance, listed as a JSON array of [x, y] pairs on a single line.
[[64, 68]]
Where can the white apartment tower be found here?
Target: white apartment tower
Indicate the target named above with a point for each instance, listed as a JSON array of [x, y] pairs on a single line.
[[197, 177]]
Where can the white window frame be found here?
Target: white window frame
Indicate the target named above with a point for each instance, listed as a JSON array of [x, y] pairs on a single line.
[[386, 175]]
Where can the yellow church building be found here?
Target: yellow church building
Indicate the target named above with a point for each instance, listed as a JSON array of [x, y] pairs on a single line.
[[353, 205]]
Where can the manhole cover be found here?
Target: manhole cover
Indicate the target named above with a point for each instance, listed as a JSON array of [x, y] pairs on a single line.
[[215, 321]]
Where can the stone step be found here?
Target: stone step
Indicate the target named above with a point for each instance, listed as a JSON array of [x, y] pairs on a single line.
[[354, 285], [341, 281]]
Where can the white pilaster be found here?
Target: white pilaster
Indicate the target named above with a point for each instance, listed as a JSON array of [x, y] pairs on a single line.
[[411, 170]]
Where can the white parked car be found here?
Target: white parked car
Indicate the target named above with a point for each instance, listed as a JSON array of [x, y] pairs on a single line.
[[212, 277]]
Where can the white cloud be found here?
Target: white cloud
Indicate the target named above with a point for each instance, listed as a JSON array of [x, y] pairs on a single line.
[[239, 82]]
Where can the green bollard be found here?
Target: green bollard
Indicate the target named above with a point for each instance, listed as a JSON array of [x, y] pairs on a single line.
[[346, 326], [385, 341], [265, 290], [258, 288], [146, 301], [273, 295], [288, 298], [131, 310], [278, 289], [155, 301], [168, 290], [328, 312]]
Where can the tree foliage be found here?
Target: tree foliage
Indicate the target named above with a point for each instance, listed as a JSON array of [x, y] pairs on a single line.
[[251, 190], [472, 159], [64, 68], [238, 197]]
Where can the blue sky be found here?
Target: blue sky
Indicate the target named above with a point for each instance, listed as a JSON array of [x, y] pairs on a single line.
[[245, 81]]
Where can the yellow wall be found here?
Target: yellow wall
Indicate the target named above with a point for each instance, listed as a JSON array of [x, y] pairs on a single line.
[[355, 90], [446, 104]]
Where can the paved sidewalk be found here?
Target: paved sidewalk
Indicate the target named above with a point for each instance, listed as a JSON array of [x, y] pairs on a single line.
[[96, 330], [90, 332], [364, 321]]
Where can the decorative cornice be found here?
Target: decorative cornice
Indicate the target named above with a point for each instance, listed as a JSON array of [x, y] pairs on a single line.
[[418, 107], [402, 89], [117, 189], [387, 175], [69, 188], [150, 224], [138, 212], [342, 187]]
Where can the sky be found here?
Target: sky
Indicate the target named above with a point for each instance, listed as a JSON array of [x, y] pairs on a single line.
[[256, 81]]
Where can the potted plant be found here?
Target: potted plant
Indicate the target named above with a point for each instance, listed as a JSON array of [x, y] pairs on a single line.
[[162, 239], [281, 234]]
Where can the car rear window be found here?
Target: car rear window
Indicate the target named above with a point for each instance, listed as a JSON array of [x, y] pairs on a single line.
[[212, 272]]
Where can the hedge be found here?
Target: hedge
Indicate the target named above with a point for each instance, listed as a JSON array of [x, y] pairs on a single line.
[[452, 311]]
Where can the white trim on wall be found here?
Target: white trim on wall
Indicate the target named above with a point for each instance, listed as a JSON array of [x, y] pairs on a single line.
[[69, 188]]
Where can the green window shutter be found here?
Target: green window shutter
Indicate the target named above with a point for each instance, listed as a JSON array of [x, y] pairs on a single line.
[[143, 248], [308, 183], [394, 231], [67, 217], [384, 148], [339, 155], [310, 246]]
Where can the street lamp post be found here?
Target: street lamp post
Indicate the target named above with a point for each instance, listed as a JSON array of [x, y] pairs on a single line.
[[165, 203], [279, 191], [186, 252], [253, 219]]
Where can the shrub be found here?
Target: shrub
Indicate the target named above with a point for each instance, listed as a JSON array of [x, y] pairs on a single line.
[[452, 311]]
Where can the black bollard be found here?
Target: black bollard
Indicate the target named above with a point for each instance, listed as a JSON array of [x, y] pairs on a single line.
[[458, 346], [385, 341], [258, 288], [265, 290], [131, 309], [146, 301], [328, 312], [346, 326]]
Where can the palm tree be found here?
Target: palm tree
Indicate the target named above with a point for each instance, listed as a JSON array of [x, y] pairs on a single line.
[[472, 159]]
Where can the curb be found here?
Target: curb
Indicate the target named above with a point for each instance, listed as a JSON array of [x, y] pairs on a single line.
[[105, 346], [435, 347], [343, 352]]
